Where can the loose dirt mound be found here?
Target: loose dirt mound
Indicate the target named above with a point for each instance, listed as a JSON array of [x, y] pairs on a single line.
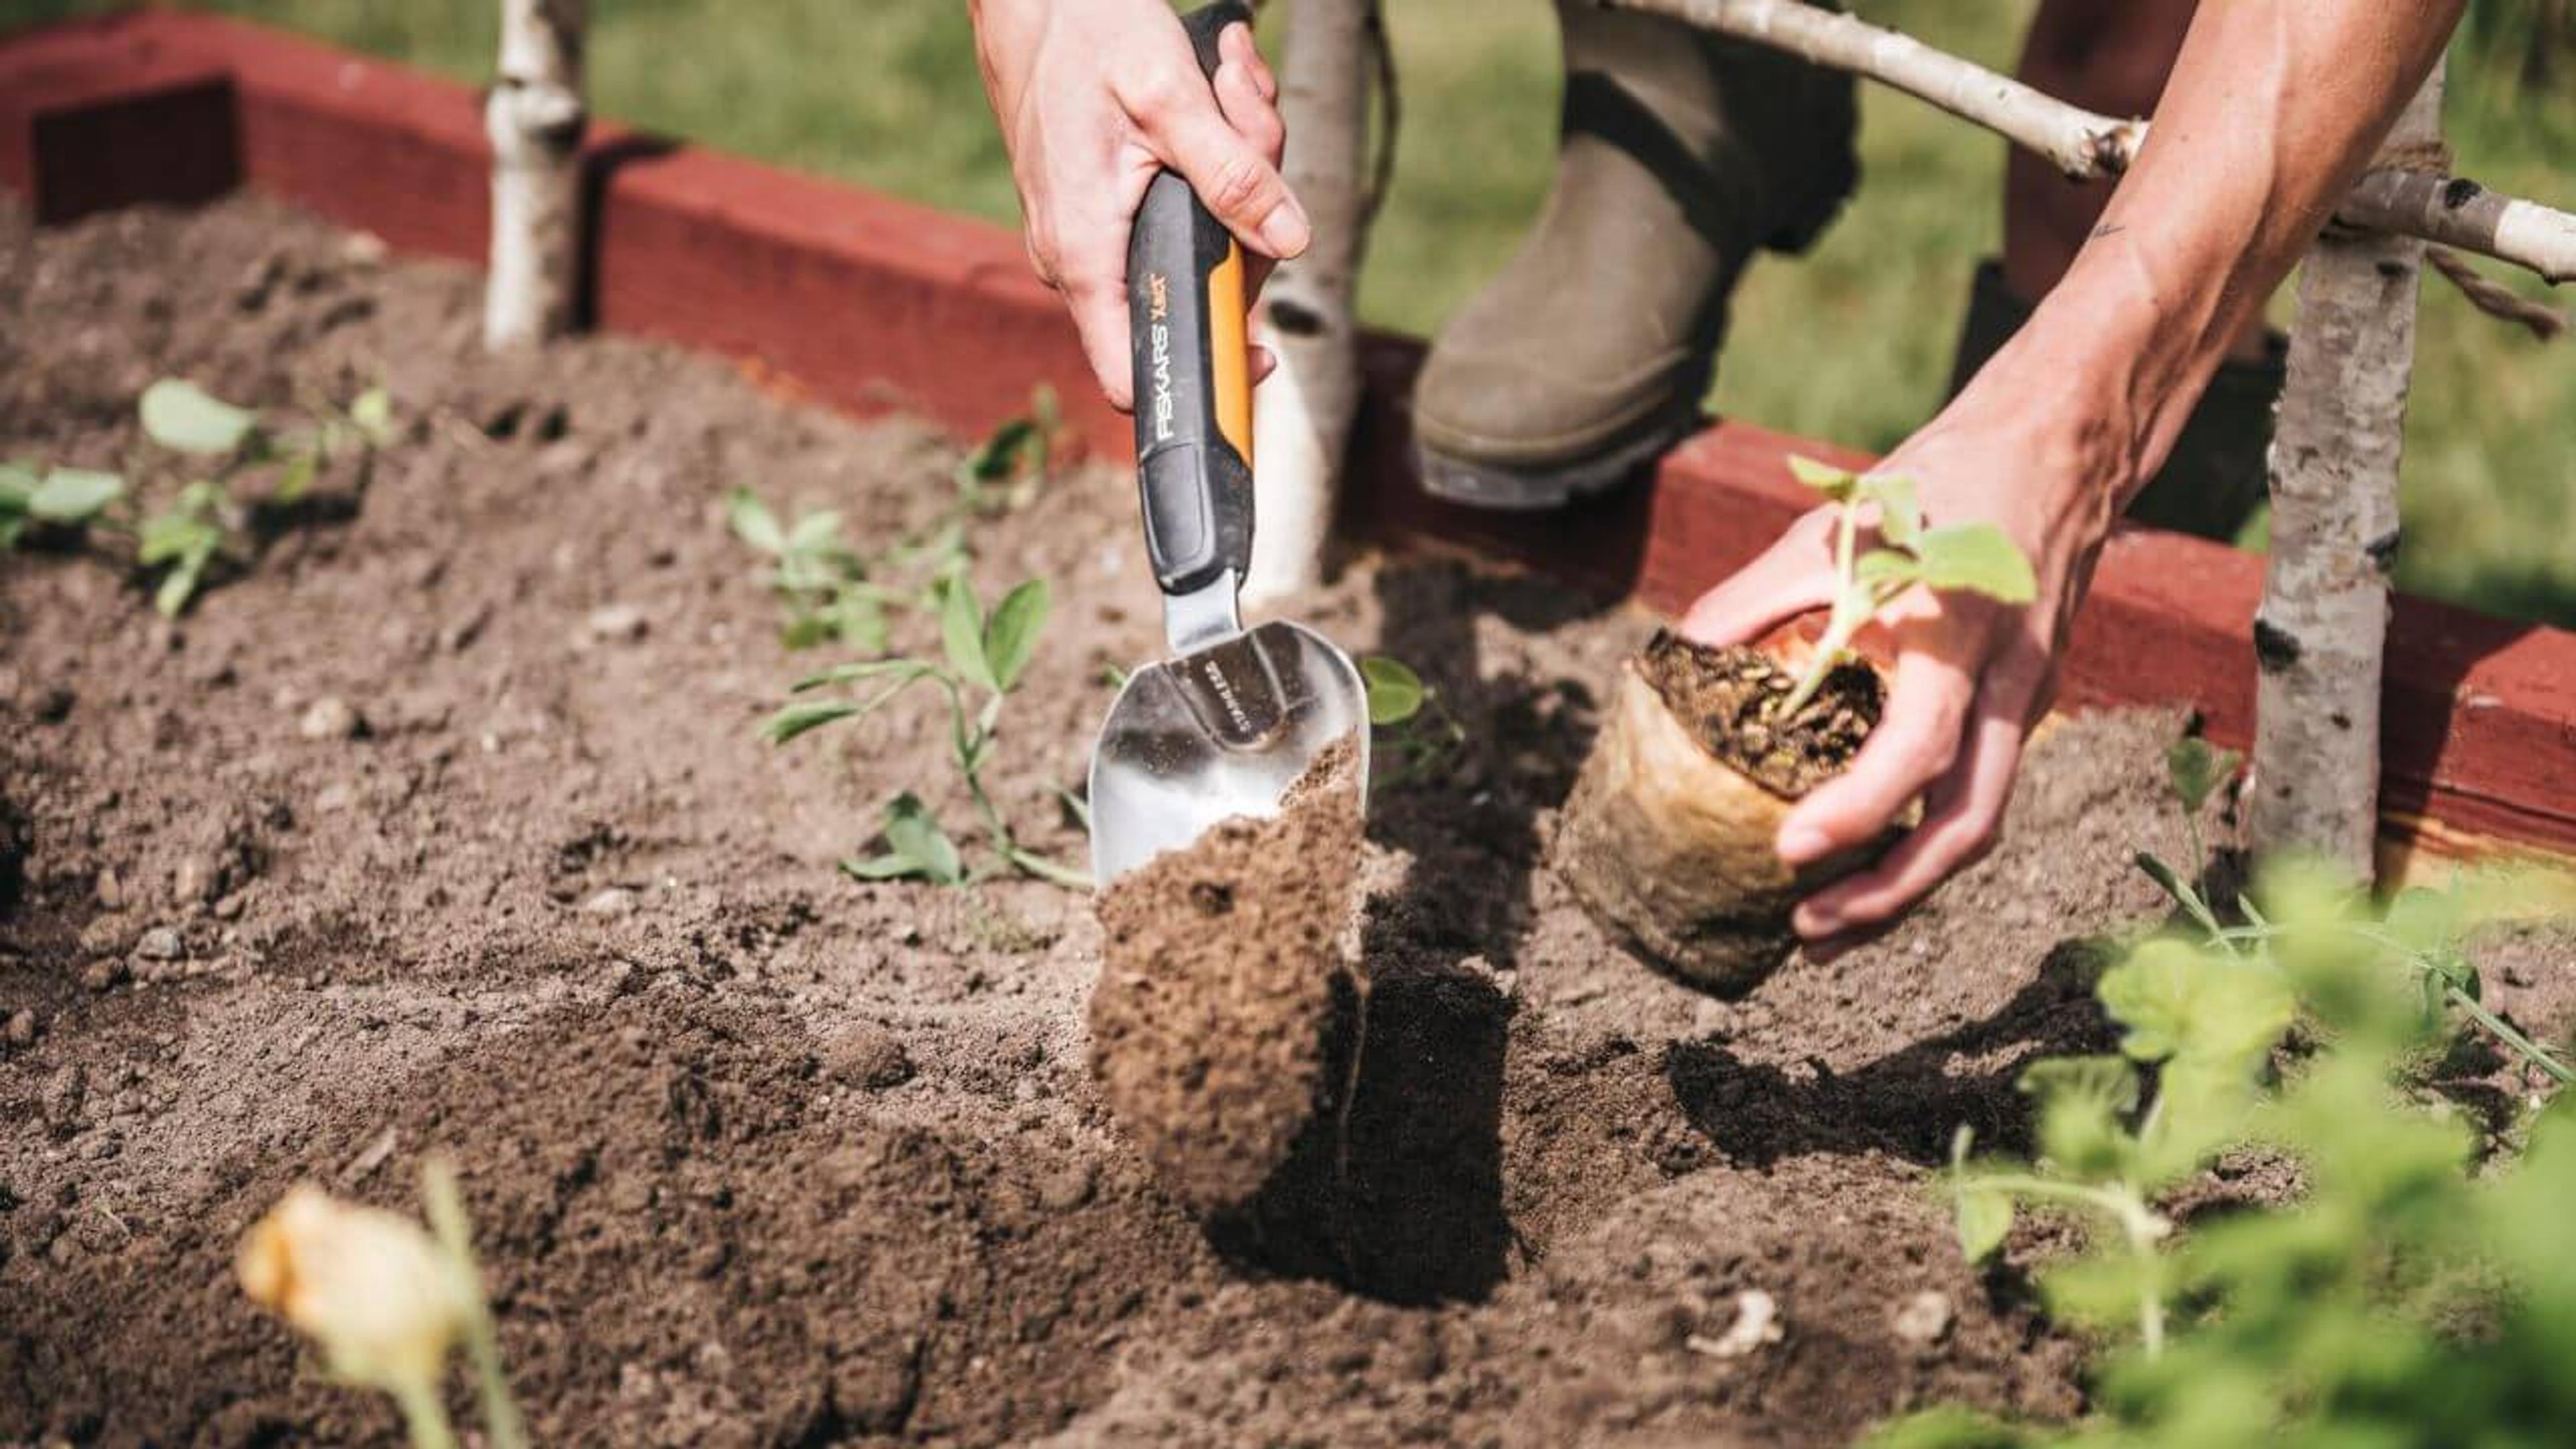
[[1221, 965], [760, 1155]]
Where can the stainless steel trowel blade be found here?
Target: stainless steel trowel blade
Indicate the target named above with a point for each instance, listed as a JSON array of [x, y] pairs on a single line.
[[1218, 732]]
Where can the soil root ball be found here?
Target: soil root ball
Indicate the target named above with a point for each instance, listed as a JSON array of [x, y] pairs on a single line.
[[1667, 837], [1210, 1020]]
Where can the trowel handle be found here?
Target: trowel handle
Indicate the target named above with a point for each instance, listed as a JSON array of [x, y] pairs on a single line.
[[1186, 304]]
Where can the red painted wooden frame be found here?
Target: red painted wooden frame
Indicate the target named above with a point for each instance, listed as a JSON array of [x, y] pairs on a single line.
[[872, 304]]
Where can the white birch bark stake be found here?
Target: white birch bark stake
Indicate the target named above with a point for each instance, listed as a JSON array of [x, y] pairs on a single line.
[[534, 118], [2323, 627], [1302, 413]]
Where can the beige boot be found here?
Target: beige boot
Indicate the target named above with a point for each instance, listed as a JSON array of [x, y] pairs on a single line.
[[1681, 155]]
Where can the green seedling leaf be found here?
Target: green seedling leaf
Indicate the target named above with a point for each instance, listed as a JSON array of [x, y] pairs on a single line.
[[912, 834], [1976, 558], [17, 484], [1882, 571], [1395, 692], [818, 532], [1011, 635], [792, 720], [373, 412], [2083, 1106], [1985, 1219], [297, 477], [859, 620], [1003, 450], [73, 495], [180, 584], [752, 522], [961, 632], [1900, 516], [170, 537], [1837, 484], [1984, 1214], [2176, 1001], [182, 417], [2194, 768], [908, 669]]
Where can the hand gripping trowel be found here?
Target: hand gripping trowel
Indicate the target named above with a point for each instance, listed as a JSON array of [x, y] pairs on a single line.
[[1236, 715]]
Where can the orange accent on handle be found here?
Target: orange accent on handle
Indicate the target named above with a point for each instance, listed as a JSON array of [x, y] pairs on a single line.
[[1229, 357]]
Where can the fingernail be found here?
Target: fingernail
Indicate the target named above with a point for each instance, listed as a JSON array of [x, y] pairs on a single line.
[[1799, 844], [1284, 231]]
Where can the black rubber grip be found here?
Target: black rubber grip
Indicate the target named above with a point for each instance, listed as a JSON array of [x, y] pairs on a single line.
[[1195, 486]]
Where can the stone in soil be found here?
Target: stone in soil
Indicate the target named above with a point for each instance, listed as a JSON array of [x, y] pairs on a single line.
[[1216, 991]]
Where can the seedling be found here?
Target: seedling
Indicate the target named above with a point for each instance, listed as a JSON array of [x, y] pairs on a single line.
[[1959, 557], [67, 498], [1412, 725], [985, 660], [2208, 1023], [203, 520], [833, 593], [819, 578], [2398, 1300], [2416, 929]]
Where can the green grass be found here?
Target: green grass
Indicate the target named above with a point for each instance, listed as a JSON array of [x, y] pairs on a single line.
[[1851, 342]]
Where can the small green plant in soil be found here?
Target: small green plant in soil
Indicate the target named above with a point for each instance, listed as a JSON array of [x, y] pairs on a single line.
[[385, 1301], [1964, 557], [834, 593], [985, 658], [203, 522], [1415, 733], [2398, 1300], [2415, 928]]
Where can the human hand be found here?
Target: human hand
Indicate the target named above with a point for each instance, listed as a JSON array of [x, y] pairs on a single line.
[[1094, 99], [1970, 676]]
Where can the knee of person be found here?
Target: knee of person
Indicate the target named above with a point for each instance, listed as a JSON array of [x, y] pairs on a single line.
[[2105, 55]]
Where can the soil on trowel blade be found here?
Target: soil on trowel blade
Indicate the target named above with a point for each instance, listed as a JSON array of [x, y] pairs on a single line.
[[1217, 987]]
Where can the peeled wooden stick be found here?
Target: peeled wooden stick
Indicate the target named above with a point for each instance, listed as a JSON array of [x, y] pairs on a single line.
[[2446, 209], [2322, 630], [1302, 415], [535, 119]]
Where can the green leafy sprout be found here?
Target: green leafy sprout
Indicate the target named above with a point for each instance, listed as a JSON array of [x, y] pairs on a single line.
[[2401, 1299], [833, 593], [985, 659], [2415, 928], [203, 522], [1413, 727], [1958, 557]]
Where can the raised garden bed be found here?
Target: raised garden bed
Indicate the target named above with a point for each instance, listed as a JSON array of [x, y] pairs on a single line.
[[762, 1155]]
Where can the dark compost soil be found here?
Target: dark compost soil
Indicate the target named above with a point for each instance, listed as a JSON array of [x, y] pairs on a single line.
[[761, 1155], [1728, 699], [1221, 966]]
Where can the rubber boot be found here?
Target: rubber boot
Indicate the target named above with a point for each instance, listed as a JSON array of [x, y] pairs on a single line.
[[2214, 480], [1681, 155]]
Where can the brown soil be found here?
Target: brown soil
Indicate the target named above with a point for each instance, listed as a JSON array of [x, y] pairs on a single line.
[[1221, 965], [760, 1155], [1729, 699]]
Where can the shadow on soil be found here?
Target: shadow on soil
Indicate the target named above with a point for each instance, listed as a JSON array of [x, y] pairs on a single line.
[[1909, 1103], [1399, 1194]]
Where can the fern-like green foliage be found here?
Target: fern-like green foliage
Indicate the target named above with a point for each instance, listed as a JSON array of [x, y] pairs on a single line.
[[2400, 1301]]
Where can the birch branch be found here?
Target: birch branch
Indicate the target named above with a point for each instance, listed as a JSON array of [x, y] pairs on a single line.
[[2449, 210], [534, 118]]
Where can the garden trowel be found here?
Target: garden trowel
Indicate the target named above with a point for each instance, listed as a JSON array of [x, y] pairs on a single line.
[[1236, 715]]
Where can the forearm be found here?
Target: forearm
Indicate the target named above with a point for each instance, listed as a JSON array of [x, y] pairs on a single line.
[[2274, 107]]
